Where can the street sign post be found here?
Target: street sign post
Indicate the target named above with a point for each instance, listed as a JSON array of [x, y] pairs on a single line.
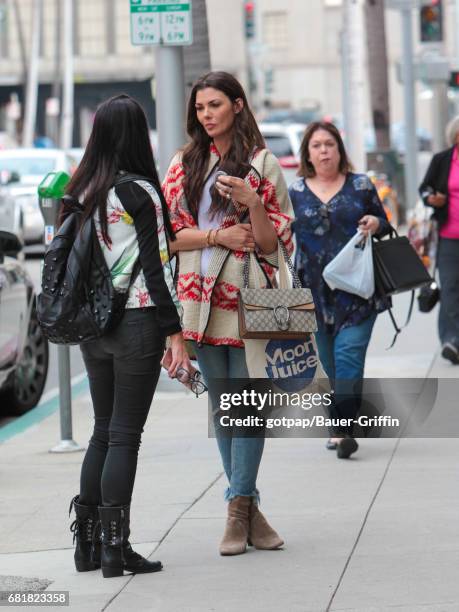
[[161, 22], [169, 26]]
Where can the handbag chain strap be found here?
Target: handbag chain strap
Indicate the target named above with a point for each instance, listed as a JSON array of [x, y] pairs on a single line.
[[295, 278]]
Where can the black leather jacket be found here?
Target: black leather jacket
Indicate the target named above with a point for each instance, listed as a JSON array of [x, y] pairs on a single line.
[[436, 178]]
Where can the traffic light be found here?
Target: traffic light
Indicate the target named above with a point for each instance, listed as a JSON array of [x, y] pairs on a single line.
[[432, 22], [249, 19], [454, 79]]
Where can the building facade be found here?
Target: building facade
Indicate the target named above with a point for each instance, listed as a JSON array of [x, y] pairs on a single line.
[[105, 61], [297, 52], [295, 57]]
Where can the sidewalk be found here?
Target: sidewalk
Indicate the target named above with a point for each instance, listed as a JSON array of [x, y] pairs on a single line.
[[374, 533]]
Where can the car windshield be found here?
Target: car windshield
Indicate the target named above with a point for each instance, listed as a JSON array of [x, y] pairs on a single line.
[[279, 145], [28, 166]]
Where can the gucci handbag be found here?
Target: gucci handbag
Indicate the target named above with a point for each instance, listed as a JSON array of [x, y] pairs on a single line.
[[276, 313]]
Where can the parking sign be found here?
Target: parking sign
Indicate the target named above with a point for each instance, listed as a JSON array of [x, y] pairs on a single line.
[[161, 22]]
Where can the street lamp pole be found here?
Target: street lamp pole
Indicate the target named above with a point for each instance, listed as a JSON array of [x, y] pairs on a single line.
[[411, 169], [409, 104], [170, 103], [68, 93], [30, 114]]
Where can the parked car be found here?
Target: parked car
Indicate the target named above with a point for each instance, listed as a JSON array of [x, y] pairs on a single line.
[[30, 166], [289, 115], [23, 348], [285, 141], [11, 216]]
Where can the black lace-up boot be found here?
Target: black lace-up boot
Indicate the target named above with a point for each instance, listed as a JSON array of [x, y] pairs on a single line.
[[117, 555], [86, 534]]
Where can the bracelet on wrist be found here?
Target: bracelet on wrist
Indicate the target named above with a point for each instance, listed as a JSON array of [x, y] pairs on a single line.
[[208, 237]]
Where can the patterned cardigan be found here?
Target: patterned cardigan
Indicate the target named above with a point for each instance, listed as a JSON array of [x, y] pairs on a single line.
[[210, 302]]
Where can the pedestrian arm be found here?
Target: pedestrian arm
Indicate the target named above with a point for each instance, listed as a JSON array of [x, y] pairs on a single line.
[[376, 209], [429, 181], [262, 227], [188, 239]]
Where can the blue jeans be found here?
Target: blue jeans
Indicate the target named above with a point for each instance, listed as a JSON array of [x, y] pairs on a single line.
[[241, 456], [343, 359]]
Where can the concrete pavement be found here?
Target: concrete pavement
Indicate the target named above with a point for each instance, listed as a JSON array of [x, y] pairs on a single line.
[[376, 533]]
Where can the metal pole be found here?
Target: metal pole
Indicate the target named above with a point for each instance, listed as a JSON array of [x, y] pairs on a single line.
[[354, 33], [67, 444], [439, 114], [67, 104], [456, 31], [56, 85], [345, 80], [411, 169], [32, 77], [65, 392], [170, 103]]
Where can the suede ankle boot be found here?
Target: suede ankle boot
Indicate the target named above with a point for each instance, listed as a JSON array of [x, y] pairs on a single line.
[[85, 533], [261, 534], [234, 540], [117, 555]]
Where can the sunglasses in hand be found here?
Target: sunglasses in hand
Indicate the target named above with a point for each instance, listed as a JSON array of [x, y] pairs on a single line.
[[192, 380]]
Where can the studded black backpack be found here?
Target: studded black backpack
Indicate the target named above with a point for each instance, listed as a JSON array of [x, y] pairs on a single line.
[[78, 302]]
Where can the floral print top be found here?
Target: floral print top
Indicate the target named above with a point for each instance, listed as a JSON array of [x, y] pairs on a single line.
[[136, 229], [322, 230]]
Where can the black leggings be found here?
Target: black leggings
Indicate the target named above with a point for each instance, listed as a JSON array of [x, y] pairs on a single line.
[[123, 370]]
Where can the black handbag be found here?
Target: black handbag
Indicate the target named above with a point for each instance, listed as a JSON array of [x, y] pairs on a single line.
[[428, 297], [398, 268]]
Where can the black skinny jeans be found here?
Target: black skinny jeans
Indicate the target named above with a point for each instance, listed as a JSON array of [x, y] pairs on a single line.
[[123, 370]]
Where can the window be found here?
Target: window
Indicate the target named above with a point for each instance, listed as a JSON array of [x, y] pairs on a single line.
[[92, 41], [275, 29]]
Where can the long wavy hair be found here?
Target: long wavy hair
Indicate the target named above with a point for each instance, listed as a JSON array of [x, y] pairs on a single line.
[[307, 170], [245, 138], [119, 140]]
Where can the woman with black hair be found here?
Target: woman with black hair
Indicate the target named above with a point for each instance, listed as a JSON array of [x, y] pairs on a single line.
[[227, 198], [132, 225]]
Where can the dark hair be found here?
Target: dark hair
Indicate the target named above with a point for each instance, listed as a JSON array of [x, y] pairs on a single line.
[[306, 168], [246, 137], [119, 140]]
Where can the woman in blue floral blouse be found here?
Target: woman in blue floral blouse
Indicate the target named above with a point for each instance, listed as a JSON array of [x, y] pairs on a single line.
[[331, 202]]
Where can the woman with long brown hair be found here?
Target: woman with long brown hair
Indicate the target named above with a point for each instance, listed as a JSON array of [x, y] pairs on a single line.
[[331, 202], [227, 197]]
